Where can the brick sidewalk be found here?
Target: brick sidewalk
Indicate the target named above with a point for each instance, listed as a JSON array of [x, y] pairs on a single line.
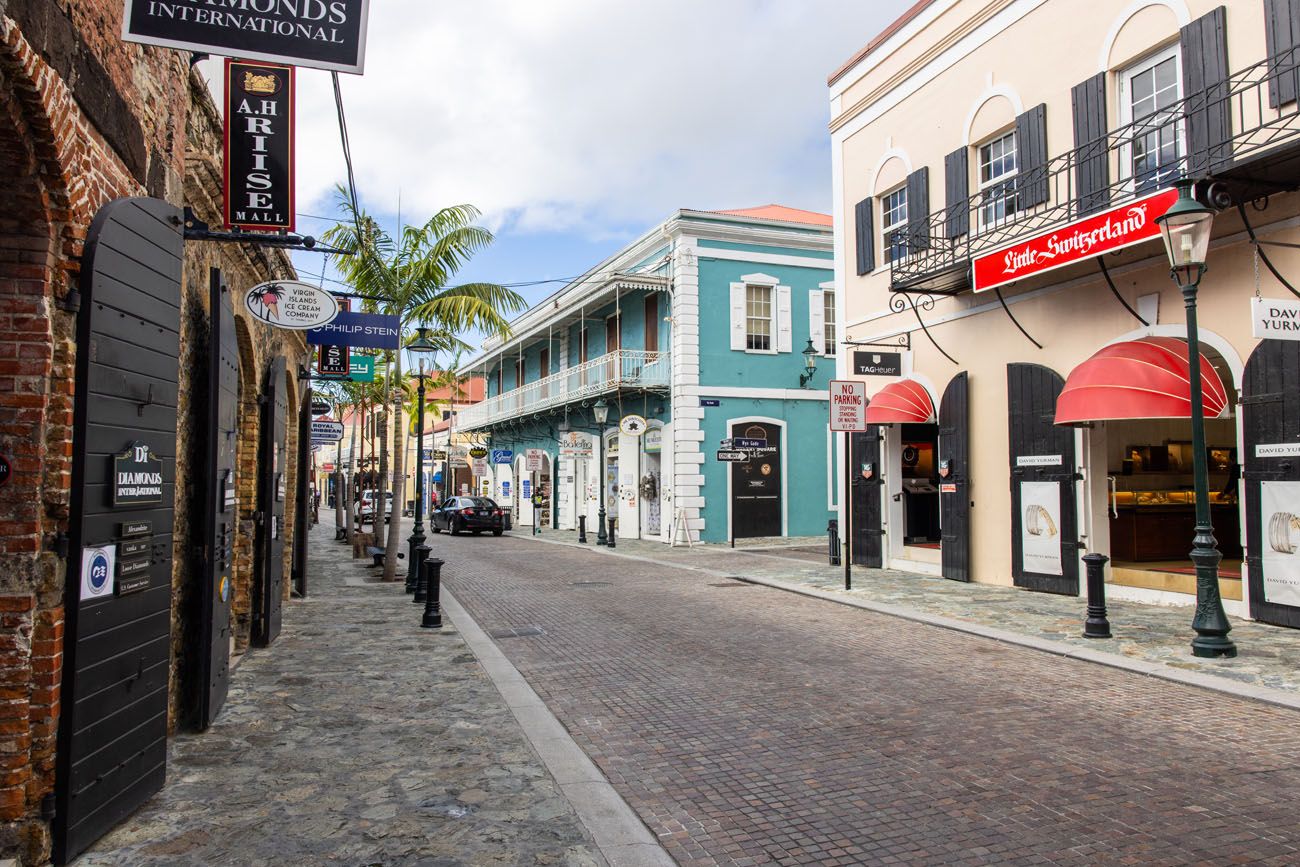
[[751, 726], [1269, 656]]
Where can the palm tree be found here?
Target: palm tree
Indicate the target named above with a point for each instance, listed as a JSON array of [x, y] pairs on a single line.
[[411, 277]]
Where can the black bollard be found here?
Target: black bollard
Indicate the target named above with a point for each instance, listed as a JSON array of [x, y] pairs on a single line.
[[432, 579], [833, 530], [613, 532], [421, 554], [1096, 626], [582, 529], [418, 555]]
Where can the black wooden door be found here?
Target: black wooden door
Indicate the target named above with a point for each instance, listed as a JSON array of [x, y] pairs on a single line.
[[268, 587], [219, 503], [302, 514], [1044, 523], [1271, 428], [954, 478], [868, 477], [756, 484], [112, 745]]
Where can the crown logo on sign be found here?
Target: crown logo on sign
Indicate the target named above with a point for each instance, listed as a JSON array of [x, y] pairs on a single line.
[[254, 83]]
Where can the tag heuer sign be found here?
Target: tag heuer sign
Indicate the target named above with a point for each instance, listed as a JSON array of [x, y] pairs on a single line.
[[878, 363], [259, 146], [137, 477], [324, 34], [291, 304]]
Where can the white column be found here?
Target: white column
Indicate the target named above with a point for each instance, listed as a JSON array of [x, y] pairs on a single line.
[[687, 435]]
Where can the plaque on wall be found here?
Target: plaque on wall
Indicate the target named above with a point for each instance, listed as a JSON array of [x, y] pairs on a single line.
[[137, 477]]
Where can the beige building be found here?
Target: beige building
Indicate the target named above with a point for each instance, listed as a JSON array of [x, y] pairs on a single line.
[[998, 168]]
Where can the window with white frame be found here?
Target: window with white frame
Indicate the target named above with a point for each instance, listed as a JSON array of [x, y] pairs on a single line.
[[893, 224], [997, 180], [828, 321], [758, 317], [1152, 146]]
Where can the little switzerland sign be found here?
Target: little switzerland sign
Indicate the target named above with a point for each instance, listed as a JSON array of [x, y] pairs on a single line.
[[325, 34], [1120, 227], [291, 304]]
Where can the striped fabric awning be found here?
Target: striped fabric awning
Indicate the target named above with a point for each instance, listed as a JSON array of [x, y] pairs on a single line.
[[902, 401], [1145, 378]]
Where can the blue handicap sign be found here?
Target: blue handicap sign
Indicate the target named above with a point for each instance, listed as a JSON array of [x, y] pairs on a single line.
[[503, 456]]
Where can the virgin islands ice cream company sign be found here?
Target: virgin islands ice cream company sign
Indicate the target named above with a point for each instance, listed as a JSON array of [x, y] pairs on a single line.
[[1111, 230], [325, 34]]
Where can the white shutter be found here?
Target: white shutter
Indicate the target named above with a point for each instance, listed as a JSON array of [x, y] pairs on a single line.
[[738, 316], [783, 335], [817, 319]]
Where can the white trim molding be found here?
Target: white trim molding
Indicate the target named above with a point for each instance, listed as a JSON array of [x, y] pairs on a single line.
[[993, 91], [1178, 7], [890, 154]]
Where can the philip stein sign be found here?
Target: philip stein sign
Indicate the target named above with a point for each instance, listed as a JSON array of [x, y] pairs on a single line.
[[1275, 319], [291, 304], [324, 34]]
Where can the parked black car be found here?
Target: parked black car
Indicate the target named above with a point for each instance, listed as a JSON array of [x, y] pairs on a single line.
[[474, 514]]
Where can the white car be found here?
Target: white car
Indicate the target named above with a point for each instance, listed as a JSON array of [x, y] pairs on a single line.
[[366, 507]]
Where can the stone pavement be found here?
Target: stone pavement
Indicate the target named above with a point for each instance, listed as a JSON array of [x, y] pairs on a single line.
[[1151, 638], [747, 725], [357, 739]]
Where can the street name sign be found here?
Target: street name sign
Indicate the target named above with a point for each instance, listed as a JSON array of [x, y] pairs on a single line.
[[848, 404], [323, 34], [732, 456], [749, 442]]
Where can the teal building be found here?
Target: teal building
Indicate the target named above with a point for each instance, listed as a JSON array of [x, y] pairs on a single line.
[[713, 332]]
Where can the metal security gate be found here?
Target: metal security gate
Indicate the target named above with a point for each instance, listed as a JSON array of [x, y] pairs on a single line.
[[112, 745], [868, 476], [1044, 522], [954, 479], [268, 586], [219, 509], [1271, 428]]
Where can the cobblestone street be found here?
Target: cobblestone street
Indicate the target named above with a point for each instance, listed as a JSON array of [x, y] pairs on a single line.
[[747, 725]]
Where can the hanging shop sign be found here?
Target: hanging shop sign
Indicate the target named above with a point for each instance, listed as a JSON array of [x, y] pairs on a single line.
[[1111, 230], [361, 368], [1275, 319], [478, 453], [319, 407], [848, 405], [332, 359], [291, 304], [878, 363], [503, 456], [322, 34], [369, 330], [534, 460], [439, 455], [137, 477], [326, 430], [1279, 504], [259, 146], [653, 441], [632, 424], [575, 444], [1040, 527]]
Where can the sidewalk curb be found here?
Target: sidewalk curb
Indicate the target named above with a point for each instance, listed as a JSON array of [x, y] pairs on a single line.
[[1264, 694], [618, 832]]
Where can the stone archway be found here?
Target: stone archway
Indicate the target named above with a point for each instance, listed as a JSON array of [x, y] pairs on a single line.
[[246, 463]]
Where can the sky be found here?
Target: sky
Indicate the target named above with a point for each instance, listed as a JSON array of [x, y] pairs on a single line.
[[576, 125]]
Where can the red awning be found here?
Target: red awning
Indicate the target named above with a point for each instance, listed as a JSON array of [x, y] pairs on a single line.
[[1145, 378], [902, 401]]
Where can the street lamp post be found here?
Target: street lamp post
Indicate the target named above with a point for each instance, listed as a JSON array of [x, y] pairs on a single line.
[[1186, 231], [600, 412], [423, 347]]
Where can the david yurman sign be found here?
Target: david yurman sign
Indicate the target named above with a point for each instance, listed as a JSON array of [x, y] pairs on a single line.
[[259, 146], [325, 34], [878, 363], [137, 477]]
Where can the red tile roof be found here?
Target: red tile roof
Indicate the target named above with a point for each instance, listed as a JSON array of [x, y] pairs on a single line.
[[879, 39], [780, 213]]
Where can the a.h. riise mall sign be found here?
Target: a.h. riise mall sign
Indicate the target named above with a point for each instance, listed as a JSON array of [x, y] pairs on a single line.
[[1111, 230], [325, 34]]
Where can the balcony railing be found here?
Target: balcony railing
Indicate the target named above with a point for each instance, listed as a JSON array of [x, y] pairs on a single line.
[[1207, 133], [621, 369]]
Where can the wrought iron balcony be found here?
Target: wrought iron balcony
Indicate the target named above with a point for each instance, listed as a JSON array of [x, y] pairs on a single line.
[[1237, 130], [615, 370]]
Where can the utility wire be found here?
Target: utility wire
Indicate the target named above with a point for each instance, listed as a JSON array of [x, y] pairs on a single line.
[[347, 148]]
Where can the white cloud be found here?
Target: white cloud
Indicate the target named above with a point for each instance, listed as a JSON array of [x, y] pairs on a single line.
[[581, 115]]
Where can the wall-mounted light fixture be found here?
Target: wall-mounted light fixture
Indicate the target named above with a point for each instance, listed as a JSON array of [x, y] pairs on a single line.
[[809, 364]]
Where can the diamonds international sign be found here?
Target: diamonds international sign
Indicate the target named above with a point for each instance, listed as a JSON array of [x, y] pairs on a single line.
[[324, 34]]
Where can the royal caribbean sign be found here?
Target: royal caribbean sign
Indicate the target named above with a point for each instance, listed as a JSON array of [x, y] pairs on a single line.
[[1106, 232], [325, 34], [259, 146]]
